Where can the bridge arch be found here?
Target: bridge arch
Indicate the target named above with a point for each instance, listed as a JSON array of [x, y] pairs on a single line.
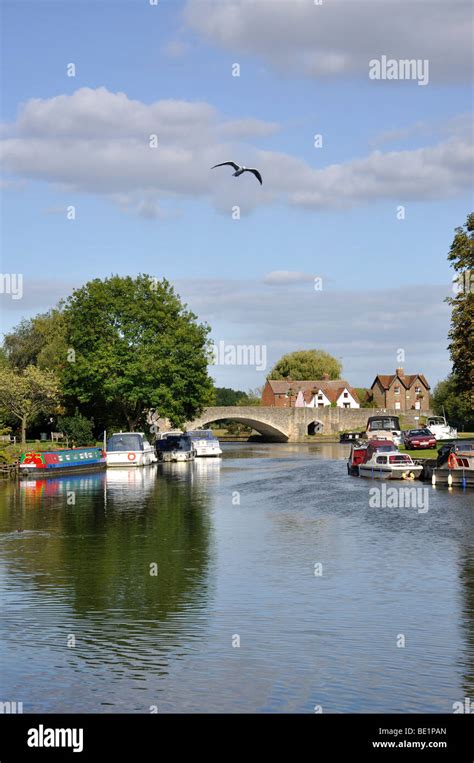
[[269, 431]]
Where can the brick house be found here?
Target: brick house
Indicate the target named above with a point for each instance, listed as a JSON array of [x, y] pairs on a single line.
[[316, 393], [401, 392]]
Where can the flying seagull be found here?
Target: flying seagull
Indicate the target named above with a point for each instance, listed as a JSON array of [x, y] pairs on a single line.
[[240, 170]]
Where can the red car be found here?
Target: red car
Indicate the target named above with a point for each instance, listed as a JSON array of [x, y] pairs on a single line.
[[416, 439]]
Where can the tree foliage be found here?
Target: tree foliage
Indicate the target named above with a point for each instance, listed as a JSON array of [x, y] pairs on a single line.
[[457, 407], [78, 428], [26, 393], [461, 335], [38, 341], [305, 365], [135, 347]]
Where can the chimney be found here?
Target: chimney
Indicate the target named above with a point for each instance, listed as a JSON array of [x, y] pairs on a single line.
[[400, 372], [325, 377]]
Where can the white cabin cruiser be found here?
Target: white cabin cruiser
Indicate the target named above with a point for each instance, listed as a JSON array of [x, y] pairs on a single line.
[[383, 461], [440, 428], [130, 449], [205, 442]]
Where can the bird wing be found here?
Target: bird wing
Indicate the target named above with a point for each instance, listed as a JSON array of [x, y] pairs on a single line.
[[222, 164], [256, 173]]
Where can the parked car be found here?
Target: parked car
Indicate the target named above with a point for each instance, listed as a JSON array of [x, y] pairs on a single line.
[[418, 439]]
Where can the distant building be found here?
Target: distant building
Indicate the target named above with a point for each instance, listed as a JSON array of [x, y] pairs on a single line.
[[317, 393], [401, 392]]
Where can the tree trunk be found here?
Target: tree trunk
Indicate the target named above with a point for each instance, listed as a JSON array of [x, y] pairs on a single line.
[[23, 430]]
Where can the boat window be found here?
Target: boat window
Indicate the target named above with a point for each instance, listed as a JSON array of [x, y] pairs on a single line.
[[175, 443], [121, 442], [400, 458], [384, 423]]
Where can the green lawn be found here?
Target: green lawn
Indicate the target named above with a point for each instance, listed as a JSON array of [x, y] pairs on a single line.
[[422, 453]]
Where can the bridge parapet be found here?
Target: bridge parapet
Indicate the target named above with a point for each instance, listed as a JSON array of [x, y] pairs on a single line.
[[291, 424]]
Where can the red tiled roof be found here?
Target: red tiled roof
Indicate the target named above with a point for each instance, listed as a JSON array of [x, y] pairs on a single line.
[[332, 388], [386, 380]]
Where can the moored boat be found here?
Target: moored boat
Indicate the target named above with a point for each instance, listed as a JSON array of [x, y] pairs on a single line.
[[440, 428], [385, 427], [129, 449], [175, 448], [455, 465], [40, 464], [382, 460], [205, 442]]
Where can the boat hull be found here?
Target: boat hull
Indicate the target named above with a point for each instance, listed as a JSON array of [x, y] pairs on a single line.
[[131, 458], [44, 464], [177, 456], [390, 474], [459, 477]]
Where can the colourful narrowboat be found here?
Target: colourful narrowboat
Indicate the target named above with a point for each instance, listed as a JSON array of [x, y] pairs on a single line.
[[49, 463]]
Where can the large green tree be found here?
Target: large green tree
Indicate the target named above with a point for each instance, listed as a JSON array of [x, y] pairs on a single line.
[[461, 335], [38, 341], [305, 365], [447, 401], [25, 394], [133, 345]]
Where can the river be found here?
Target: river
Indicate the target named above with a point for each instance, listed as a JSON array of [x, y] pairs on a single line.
[[264, 581]]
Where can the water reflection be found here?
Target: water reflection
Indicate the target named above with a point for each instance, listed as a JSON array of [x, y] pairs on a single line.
[[117, 560], [81, 567]]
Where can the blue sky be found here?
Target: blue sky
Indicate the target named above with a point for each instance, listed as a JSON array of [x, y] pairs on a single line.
[[329, 212]]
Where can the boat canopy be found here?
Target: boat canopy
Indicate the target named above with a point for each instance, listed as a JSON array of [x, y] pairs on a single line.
[[202, 434], [383, 423], [175, 443], [124, 442]]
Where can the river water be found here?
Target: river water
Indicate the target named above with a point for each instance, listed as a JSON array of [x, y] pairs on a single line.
[[278, 588]]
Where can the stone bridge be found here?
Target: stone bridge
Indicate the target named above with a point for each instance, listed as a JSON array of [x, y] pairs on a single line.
[[293, 424]]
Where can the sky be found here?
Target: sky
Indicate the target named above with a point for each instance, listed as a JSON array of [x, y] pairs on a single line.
[[344, 246]]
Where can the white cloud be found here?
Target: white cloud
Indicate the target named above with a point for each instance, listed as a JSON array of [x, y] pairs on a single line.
[[339, 37], [285, 277], [365, 328], [98, 142], [175, 48]]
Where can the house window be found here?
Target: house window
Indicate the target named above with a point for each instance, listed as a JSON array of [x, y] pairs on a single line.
[[347, 405], [397, 406], [397, 390], [346, 394], [320, 397], [417, 405], [417, 390]]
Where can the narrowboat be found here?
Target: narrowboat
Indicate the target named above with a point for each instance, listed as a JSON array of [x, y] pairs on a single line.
[[40, 464], [205, 443], [175, 448], [130, 449], [455, 465]]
